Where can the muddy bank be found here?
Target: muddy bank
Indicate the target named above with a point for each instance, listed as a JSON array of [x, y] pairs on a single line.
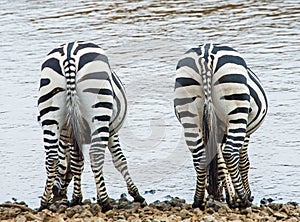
[[175, 209]]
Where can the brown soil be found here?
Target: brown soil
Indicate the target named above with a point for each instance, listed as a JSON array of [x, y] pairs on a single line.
[[173, 210]]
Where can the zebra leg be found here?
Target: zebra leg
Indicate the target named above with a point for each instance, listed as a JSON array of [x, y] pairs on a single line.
[[51, 135], [61, 181], [120, 164], [195, 143], [231, 152], [224, 178], [77, 165], [244, 166], [99, 143]]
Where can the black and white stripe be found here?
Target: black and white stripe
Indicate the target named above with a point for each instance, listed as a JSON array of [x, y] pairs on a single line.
[[218, 98], [81, 101]]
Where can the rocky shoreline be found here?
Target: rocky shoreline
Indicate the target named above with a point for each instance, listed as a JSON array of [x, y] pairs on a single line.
[[175, 209]]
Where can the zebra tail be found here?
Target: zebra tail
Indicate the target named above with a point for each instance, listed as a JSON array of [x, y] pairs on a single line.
[[75, 122], [211, 146]]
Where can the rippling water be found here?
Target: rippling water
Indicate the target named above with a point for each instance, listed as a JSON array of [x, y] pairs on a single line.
[[144, 40]]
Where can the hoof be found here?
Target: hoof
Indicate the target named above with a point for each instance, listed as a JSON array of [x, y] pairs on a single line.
[[141, 200], [199, 205], [76, 201], [44, 206], [105, 206]]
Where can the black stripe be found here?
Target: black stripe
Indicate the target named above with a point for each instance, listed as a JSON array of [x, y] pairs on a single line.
[[186, 114], [53, 64], [206, 53], [183, 101], [90, 57], [101, 118], [225, 59], [85, 45], [238, 130], [60, 50], [94, 76], [49, 122], [238, 121], [47, 110], [189, 125], [189, 62], [118, 82], [182, 82], [98, 91], [241, 96], [232, 78], [193, 143], [236, 138], [191, 134], [239, 110], [196, 50], [107, 105], [257, 84], [44, 82], [99, 130], [46, 140], [48, 132], [69, 49], [49, 95], [221, 48]]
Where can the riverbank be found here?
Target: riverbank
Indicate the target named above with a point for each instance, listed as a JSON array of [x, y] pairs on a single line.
[[175, 209]]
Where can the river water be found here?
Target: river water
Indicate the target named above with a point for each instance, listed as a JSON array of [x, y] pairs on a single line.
[[144, 40]]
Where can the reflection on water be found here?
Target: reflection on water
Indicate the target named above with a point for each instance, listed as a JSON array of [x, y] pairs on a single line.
[[144, 40]]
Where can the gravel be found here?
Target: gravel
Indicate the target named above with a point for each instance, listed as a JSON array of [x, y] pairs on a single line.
[[175, 209]]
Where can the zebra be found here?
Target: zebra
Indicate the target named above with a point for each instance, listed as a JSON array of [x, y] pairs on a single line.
[[81, 101], [219, 102]]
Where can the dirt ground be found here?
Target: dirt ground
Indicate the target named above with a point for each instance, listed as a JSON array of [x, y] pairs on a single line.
[[175, 209]]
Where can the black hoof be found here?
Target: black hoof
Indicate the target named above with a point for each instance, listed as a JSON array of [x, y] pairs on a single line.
[[76, 201], [232, 203], [44, 206], [251, 198], [141, 200], [105, 206], [199, 205]]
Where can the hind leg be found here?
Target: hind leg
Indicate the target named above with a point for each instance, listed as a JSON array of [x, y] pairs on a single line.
[[77, 165], [120, 164], [51, 135], [62, 178], [244, 166], [231, 152], [225, 180]]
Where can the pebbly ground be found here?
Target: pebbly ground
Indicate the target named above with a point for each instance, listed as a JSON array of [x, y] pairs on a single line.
[[175, 209]]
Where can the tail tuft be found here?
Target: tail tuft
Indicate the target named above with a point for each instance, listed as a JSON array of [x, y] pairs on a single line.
[[210, 137]]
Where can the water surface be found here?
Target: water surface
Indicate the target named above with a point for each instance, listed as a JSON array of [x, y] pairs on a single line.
[[144, 40]]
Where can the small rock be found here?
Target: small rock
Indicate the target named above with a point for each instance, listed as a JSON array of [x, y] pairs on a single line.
[[280, 215], [87, 201], [61, 209], [295, 204], [70, 212], [275, 206], [268, 210], [209, 218], [285, 209], [21, 218], [209, 210], [184, 214], [150, 192], [110, 213], [53, 207], [264, 201], [198, 212], [247, 210]]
